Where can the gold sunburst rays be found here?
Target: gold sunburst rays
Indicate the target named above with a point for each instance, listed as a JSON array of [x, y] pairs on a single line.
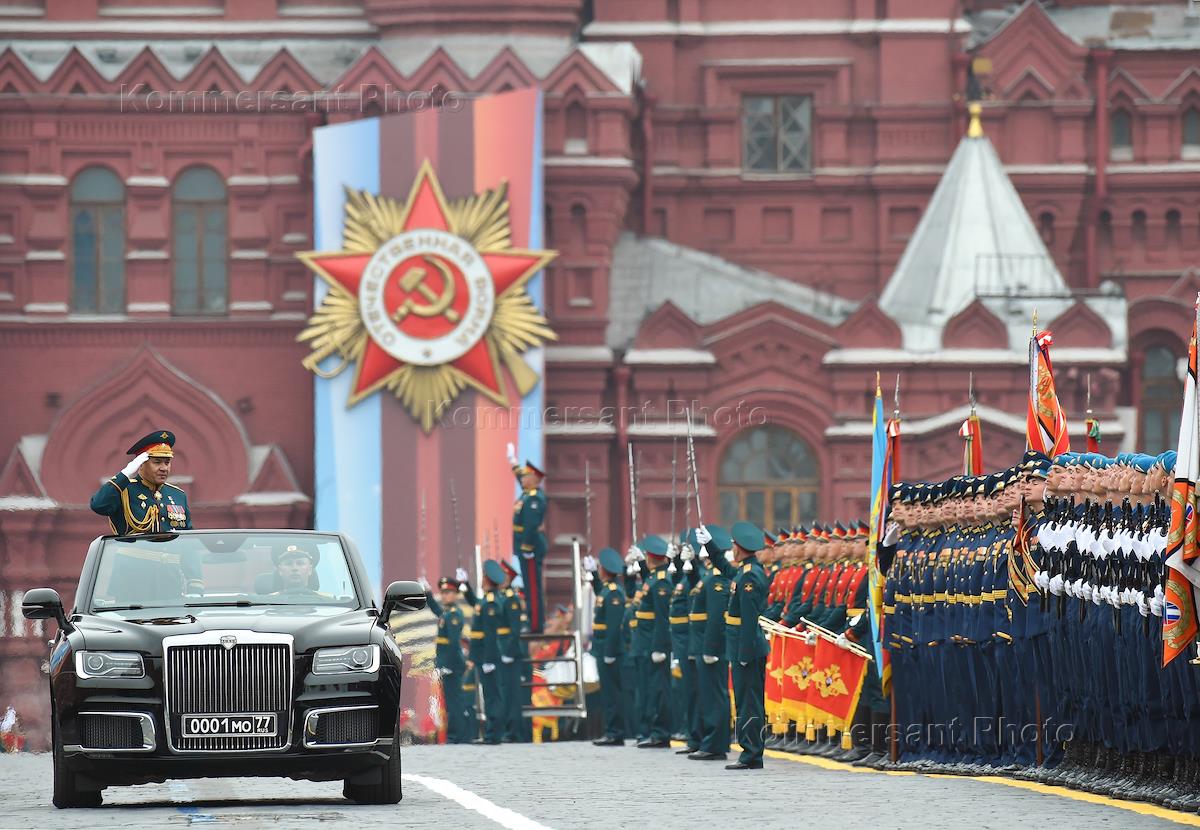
[[336, 328]]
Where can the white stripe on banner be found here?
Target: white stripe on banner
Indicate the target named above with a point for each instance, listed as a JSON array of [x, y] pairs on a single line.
[[347, 439], [501, 815]]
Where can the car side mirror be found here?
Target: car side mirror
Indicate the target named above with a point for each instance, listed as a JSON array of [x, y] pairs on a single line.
[[45, 604], [402, 595]]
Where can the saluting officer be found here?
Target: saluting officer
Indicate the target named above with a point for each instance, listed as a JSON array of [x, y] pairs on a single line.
[[712, 669], [138, 499], [448, 658], [529, 542], [608, 647]]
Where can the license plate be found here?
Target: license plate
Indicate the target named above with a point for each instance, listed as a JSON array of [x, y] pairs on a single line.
[[228, 726]]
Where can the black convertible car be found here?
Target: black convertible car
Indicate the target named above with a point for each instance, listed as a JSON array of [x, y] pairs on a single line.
[[217, 653]]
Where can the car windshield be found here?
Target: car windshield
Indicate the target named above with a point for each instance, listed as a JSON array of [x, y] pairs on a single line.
[[202, 570]]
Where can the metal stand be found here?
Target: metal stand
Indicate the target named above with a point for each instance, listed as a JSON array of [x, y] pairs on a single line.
[[574, 639]]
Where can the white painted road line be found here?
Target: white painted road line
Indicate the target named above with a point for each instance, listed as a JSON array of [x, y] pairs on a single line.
[[501, 815]]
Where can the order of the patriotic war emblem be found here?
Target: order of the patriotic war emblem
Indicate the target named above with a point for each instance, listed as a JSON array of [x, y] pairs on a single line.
[[427, 298]]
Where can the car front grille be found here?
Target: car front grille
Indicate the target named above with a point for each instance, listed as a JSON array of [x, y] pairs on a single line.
[[251, 677], [101, 730], [342, 726]]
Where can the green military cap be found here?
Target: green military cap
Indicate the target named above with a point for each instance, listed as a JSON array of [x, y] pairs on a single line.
[[748, 536], [493, 571], [611, 561], [653, 545], [291, 549], [158, 444], [720, 537]]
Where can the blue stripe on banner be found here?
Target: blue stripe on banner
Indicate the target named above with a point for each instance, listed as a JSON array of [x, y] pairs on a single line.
[[348, 460], [529, 435]]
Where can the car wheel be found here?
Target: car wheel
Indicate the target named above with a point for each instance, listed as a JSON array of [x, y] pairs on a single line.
[[66, 790], [388, 790]]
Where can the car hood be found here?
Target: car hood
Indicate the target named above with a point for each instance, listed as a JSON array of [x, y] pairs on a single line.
[[311, 627]]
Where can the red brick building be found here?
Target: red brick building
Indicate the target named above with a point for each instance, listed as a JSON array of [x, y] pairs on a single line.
[[731, 198]]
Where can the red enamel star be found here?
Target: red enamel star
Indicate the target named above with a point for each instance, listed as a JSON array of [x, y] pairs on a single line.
[[427, 295]]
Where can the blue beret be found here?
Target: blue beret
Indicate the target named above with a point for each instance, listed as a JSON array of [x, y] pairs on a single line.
[[748, 536], [611, 561], [1167, 460], [493, 571], [1064, 459], [653, 545], [1141, 462]]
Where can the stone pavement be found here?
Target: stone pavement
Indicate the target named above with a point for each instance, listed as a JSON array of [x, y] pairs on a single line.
[[575, 785]]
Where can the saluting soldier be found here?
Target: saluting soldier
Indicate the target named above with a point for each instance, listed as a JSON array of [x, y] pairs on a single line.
[[654, 632], [512, 659], [486, 648], [608, 647], [138, 499], [712, 669], [529, 542], [448, 658]]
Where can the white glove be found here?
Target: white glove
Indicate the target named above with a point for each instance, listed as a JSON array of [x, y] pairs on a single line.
[[744, 662], [1142, 606], [512, 454], [686, 553], [132, 467], [634, 554], [423, 582], [590, 563], [631, 570], [460, 575], [608, 661], [674, 663], [488, 668], [1156, 606], [709, 659], [703, 536], [842, 641], [672, 550], [728, 556], [811, 638], [506, 660], [1056, 585], [658, 656], [891, 534]]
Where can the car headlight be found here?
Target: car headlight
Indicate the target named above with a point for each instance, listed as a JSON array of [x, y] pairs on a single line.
[[90, 664], [347, 659]]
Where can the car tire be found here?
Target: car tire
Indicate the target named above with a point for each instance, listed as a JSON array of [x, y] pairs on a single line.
[[388, 790], [67, 793]]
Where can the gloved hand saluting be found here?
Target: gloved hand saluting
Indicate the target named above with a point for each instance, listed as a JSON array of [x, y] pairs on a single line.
[[891, 534], [133, 466], [512, 455], [590, 563], [703, 536]]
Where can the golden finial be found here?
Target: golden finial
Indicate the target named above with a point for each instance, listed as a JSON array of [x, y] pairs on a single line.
[[1035, 322], [975, 127]]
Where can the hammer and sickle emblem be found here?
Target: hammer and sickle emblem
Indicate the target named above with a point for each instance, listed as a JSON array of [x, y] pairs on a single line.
[[413, 282]]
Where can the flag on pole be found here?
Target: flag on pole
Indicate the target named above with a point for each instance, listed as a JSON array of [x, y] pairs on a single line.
[[971, 431], [1045, 423], [881, 487], [1179, 604], [1093, 435]]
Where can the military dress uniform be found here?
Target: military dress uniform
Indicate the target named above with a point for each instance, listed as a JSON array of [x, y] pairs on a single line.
[[529, 545], [712, 668], [748, 652], [450, 663], [608, 647], [683, 667], [486, 650], [135, 506], [654, 635], [512, 662]]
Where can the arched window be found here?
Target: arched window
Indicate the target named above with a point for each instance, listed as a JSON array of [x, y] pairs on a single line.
[[1046, 228], [1161, 393], [1191, 133], [201, 281], [769, 476], [98, 242], [576, 122], [1120, 135]]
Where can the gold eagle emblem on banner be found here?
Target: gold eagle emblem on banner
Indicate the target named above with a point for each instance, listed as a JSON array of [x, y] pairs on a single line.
[[427, 298]]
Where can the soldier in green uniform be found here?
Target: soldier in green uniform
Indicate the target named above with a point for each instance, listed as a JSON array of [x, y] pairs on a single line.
[[748, 660], [486, 648], [683, 666], [712, 669], [512, 660], [608, 647], [138, 499], [448, 657], [654, 635], [529, 542]]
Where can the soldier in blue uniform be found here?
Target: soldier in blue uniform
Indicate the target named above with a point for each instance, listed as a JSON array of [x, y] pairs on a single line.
[[448, 658], [138, 499], [486, 646], [608, 647], [529, 542]]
